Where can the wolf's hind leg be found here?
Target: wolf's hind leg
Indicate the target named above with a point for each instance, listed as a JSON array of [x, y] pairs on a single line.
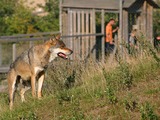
[[11, 87], [23, 90], [25, 87]]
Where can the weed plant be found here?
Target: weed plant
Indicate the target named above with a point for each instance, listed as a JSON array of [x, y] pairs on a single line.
[[147, 112]]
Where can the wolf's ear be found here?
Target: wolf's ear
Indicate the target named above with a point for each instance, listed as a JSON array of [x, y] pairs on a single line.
[[58, 36], [52, 41]]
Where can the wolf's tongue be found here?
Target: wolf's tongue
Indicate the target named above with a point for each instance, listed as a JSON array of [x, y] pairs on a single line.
[[62, 55]]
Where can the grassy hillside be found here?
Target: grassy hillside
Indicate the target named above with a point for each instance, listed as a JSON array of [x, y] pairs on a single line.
[[123, 91], [93, 91]]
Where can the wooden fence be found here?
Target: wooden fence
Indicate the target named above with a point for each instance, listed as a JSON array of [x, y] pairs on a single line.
[[83, 45]]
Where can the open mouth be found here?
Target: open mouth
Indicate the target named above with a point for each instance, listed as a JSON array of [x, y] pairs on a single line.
[[62, 55]]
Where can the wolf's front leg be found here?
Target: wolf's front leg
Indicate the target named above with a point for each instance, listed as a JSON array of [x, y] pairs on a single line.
[[40, 83], [33, 85]]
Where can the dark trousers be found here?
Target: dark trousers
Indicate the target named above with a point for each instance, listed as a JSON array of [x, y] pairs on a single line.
[[108, 48]]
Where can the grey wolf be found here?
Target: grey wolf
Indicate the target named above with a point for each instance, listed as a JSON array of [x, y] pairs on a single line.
[[30, 67]]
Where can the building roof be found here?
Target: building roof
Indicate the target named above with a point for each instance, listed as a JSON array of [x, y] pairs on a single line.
[[103, 4]]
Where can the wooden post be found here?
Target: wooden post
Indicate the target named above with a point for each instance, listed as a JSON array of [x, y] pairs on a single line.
[[0, 54], [103, 38], [83, 40], [150, 23], [93, 31], [60, 16], [69, 26], [78, 31], [31, 44], [14, 51], [64, 29], [70, 40], [87, 32], [125, 25], [125, 32], [144, 19], [121, 26], [74, 32]]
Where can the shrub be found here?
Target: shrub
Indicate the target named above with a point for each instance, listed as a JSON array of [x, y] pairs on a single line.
[[147, 112], [111, 95]]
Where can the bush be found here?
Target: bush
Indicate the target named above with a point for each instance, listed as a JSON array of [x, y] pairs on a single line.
[[147, 112]]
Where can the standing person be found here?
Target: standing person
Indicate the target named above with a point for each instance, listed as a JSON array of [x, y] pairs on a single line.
[[109, 44], [157, 43], [133, 42], [133, 38], [157, 39]]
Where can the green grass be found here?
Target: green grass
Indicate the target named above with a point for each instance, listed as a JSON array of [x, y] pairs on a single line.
[[75, 91]]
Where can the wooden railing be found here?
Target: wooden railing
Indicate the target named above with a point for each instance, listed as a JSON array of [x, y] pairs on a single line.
[[72, 41], [14, 39], [27, 37]]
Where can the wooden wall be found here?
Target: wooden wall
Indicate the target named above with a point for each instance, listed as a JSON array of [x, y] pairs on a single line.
[[78, 17], [80, 22], [125, 26], [146, 21], [150, 22]]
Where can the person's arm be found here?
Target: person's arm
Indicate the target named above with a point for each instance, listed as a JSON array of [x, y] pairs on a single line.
[[131, 39], [158, 37], [115, 29]]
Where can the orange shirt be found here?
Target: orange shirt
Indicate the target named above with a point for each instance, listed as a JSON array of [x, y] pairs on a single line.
[[109, 36]]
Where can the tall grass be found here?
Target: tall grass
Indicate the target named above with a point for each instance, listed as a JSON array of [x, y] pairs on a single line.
[[94, 91]]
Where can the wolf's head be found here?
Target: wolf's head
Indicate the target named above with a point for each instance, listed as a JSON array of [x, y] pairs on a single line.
[[58, 48]]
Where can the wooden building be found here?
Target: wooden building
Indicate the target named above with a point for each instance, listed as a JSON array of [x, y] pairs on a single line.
[[77, 17]]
